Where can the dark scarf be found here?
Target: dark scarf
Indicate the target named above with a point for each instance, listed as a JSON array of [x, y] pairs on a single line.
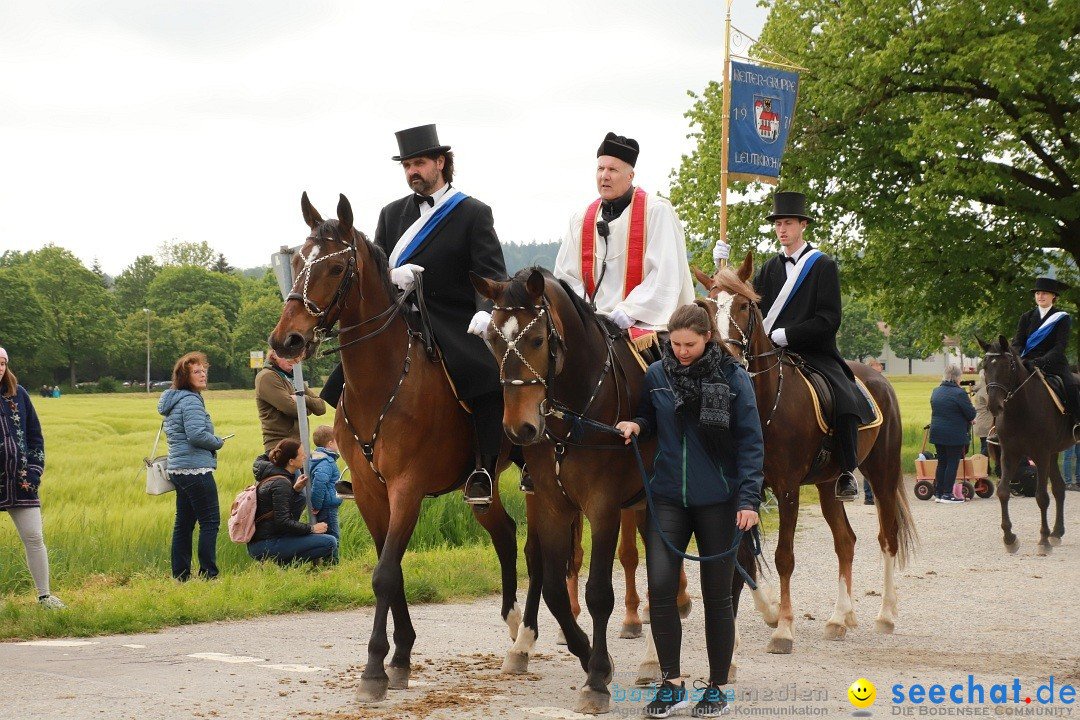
[[686, 379]]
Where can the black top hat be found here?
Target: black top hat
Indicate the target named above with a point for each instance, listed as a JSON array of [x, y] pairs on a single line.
[[789, 204], [417, 141], [1050, 285], [624, 148]]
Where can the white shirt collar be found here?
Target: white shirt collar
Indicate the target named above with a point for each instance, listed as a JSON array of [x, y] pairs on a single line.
[[798, 251], [1043, 311], [426, 209]]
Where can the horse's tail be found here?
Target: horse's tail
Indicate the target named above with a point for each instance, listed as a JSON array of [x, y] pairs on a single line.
[[907, 537]]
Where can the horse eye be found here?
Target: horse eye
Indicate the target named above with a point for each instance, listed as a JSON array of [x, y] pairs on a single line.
[[537, 342], [336, 270]]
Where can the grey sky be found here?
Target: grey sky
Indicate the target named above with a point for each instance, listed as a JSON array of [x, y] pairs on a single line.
[[128, 123]]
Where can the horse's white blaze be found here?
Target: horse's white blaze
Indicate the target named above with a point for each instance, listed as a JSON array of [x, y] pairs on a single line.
[[510, 328], [526, 640], [723, 312]]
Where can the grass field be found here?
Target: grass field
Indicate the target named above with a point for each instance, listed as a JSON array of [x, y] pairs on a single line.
[[109, 542]]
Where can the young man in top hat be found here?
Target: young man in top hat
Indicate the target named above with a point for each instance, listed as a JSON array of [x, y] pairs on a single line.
[[626, 251], [1042, 338], [443, 233], [804, 316]]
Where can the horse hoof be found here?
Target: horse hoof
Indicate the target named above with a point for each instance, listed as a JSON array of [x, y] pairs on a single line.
[[885, 627], [834, 631], [1055, 541], [684, 610], [560, 639], [593, 702], [630, 631], [516, 663], [397, 677], [371, 690], [1042, 550], [647, 674], [780, 646], [1012, 547]]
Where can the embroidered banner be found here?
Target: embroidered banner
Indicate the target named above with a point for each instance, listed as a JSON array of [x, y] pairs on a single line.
[[762, 107]]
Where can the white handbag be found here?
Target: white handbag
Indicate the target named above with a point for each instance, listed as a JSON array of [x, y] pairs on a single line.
[[157, 473]]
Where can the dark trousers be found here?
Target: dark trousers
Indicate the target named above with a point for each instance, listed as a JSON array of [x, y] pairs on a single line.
[[487, 417], [196, 502], [847, 436], [948, 462], [713, 526], [291, 548]]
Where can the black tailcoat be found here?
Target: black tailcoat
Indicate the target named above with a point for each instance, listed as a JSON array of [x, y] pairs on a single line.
[[465, 240], [811, 321], [1048, 355]]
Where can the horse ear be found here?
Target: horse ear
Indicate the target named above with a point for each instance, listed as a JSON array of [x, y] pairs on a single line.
[[984, 345], [344, 216], [746, 269], [702, 278], [311, 215], [535, 284], [1003, 342], [491, 289]]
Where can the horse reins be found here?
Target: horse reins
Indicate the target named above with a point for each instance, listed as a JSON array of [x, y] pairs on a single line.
[[1009, 394], [747, 358]]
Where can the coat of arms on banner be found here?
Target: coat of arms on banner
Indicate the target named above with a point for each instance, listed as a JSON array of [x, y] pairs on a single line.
[[767, 112]]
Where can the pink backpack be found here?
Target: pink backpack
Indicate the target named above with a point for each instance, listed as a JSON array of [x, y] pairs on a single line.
[[242, 516]]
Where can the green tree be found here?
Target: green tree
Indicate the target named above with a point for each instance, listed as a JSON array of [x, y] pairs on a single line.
[[906, 340], [859, 336], [197, 254], [222, 265], [203, 328], [22, 332], [937, 141], [78, 315], [176, 289], [131, 285]]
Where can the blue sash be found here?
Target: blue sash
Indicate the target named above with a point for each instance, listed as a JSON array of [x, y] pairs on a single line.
[[1043, 330], [802, 276], [429, 227]]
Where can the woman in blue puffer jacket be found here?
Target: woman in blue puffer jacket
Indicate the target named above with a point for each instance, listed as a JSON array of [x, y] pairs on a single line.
[[707, 476], [193, 450]]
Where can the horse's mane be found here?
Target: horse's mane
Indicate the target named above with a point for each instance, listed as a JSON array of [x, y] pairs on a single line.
[[517, 294], [730, 282], [382, 265]]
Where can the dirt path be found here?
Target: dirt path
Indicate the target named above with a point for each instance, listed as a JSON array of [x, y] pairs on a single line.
[[965, 608]]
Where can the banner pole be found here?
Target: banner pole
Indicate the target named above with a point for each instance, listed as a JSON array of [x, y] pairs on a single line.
[[725, 129]]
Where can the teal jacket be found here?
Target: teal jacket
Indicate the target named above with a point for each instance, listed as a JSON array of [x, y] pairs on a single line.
[[189, 430]]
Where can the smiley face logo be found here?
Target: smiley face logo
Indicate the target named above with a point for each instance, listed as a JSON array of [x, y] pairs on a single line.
[[862, 693]]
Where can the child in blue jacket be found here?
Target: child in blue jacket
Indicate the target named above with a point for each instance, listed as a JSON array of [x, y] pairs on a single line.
[[324, 476], [707, 476]]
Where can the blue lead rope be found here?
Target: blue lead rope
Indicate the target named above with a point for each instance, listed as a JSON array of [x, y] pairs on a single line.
[[755, 536]]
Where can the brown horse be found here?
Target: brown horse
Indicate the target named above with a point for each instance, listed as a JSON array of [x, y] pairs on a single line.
[[1028, 423], [399, 425], [558, 360], [793, 441]]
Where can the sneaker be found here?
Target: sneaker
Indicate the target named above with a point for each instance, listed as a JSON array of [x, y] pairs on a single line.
[[344, 488], [712, 702], [669, 698], [1074, 486], [51, 602], [868, 501], [950, 499]]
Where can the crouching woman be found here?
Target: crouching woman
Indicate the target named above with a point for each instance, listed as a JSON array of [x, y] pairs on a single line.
[[699, 402], [279, 534]]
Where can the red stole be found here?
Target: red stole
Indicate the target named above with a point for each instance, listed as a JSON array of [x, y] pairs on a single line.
[[635, 245]]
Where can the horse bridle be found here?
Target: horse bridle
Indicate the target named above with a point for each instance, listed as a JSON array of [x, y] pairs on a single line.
[[1009, 394], [555, 340], [744, 345]]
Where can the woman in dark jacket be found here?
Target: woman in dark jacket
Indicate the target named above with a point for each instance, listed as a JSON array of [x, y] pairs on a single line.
[[22, 463], [707, 478], [279, 534], [951, 413]]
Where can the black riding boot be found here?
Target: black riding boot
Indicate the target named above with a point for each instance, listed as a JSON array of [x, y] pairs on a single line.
[[487, 419], [518, 458], [335, 385], [478, 486], [847, 433]]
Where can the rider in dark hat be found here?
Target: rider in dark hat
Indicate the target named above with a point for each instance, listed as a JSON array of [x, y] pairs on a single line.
[[804, 316], [1042, 337]]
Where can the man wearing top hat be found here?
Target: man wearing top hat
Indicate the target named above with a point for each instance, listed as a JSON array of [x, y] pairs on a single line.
[[1042, 338], [441, 232], [626, 251], [800, 298]]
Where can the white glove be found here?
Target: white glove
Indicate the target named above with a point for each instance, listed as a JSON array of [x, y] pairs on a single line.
[[405, 276], [720, 251], [479, 323], [621, 319], [779, 337]]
